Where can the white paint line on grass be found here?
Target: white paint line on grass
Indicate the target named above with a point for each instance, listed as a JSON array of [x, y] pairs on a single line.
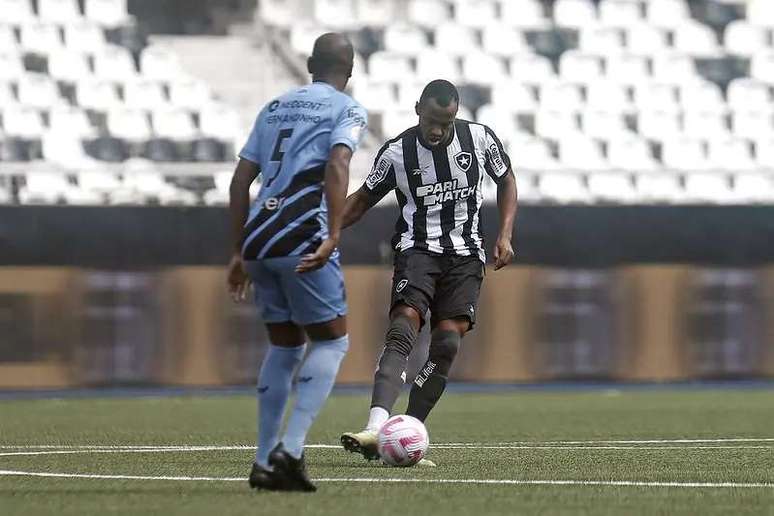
[[611, 483]]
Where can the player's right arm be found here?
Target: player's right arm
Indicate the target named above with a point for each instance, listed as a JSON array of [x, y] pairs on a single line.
[[380, 181]]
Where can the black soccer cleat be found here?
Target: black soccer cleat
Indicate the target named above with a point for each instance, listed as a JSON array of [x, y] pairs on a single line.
[[292, 469], [264, 479]]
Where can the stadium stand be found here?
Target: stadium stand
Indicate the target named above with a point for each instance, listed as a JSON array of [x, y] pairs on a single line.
[[597, 101]]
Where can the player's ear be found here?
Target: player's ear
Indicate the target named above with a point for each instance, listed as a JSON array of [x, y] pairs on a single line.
[[417, 109], [310, 65]]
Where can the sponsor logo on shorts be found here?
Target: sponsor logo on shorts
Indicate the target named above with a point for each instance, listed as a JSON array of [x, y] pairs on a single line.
[[401, 285]]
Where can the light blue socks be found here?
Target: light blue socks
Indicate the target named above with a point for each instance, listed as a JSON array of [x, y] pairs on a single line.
[[315, 381], [274, 383]]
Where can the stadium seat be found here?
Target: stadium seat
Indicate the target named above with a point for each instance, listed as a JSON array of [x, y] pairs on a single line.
[[627, 68], [731, 154], [503, 40], [764, 152], [482, 68], [68, 66], [646, 39], [556, 124], [151, 187], [754, 124], [612, 187], [17, 12], [684, 154], [603, 124], [11, 65], [395, 122], [710, 125], [501, 120], [743, 38], [533, 154], [159, 64], [620, 13], [59, 11], [175, 124], [335, 13], [429, 13], [713, 187], [631, 153], [189, 93], [376, 96], [38, 90], [656, 97], [525, 14], [576, 14], [762, 66], [44, 188], [760, 12], [658, 125], [41, 38], [563, 188], [751, 187], [8, 41], [455, 39], [66, 150], [100, 182], [513, 97], [70, 120], [107, 149], [667, 13], [607, 95], [560, 96], [6, 197], [84, 36], [475, 13], [434, 65], [409, 92], [531, 68], [7, 96], [302, 36], [658, 188], [219, 195], [602, 40], [748, 94], [109, 13], [278, 12], [703, 96], [114, 63], [697, 40], [375, 13], [404, 38], [579, 152], [578, 66], [674, 68], [129, 125], [144, 95], [387, 66], [98, 95]]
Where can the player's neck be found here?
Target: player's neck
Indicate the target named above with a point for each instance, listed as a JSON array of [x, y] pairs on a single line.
[[338, 83]]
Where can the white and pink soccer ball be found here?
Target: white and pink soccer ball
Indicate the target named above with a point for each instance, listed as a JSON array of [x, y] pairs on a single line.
[[403, 441]]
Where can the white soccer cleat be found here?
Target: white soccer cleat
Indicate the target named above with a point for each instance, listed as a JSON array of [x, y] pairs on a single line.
[[364, 443]]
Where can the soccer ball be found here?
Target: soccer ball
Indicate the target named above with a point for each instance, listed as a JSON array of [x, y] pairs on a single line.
[[403, 441]]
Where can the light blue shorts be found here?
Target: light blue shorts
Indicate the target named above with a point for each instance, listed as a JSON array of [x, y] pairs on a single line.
[[283, 295]]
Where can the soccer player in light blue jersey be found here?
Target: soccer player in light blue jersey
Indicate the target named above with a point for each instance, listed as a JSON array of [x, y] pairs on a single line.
[[285, 245]]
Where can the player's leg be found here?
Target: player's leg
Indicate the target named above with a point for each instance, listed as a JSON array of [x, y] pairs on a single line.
[[454, 314]]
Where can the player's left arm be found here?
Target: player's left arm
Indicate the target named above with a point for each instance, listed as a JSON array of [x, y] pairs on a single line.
[[498, 166]]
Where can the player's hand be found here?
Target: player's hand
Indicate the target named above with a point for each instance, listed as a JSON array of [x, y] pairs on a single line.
[[312, 262], [503, 252], [237, 279]]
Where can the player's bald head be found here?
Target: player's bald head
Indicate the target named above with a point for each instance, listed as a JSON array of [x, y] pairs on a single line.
[[332, 55]]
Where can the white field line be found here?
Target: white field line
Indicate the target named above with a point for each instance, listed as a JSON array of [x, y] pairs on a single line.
[[612, 483]]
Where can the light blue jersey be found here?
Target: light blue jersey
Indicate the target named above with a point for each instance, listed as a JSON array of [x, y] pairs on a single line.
[[290, 142]]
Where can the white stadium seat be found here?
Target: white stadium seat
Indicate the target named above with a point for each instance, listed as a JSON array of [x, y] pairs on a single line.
[[98, 95], [563, 188], [667, 13], [303, 35], [753, 188], [376, 96], [38, 90], [705, 124], [708, 187], [68, 66], [533, 154], [646, 39], [658, 188], [631, 153], [59, 11], [607, 95], [731, 154], [656, 97], [220, 194], [151, 185], [17, 12], [764, 152], [387, 66], [620, 13], [66, 151], [483, 68], [674, 68], [695, 39], [22, 121], [743, 38], [44, 187], [189, 93], [405, 38], [701, 95], [612, 187], [455, 39], [579, 152], [501, 120], [101, 182], [110, 13], [762, 66], [114, 63], [436, 65], [603, 124], [627, 68], [395, 122], [144, 94], [70, 120], [503, 40], [41, 38], [575, 13], [749, 94], [760, 12], [556, 124], [428, 13], [409, 91], [281, 13], [684, 154], [160, 64], [8, 41], [578, 66], [335, 13], [11, 65], [531, 68], [658, 125], [602, 40], [754, 124], [525, 14], [129, 125], [84, 36], [475, 13], [175, 124], [560, 95], [375, 12], [219, 121], [7, 96], [514, 97]]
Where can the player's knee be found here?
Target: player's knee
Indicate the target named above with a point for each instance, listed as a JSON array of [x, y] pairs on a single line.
[[401, 335], [444, 346]]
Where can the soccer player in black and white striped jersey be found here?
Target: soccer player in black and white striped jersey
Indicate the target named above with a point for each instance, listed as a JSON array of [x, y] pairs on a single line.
[[437, 170]]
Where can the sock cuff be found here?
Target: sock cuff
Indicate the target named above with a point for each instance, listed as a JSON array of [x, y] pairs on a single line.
[[341, 343]]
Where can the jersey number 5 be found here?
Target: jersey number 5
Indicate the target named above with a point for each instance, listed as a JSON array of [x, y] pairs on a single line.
[[278, 154]]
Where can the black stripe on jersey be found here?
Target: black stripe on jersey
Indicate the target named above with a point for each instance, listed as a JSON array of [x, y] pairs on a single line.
[[443, 174], [297, 236], [300, 181], [289, 214], [410, 164], [401, 226], [466, 144]]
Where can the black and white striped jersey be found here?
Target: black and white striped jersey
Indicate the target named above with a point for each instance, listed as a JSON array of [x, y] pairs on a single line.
[[439, 190]]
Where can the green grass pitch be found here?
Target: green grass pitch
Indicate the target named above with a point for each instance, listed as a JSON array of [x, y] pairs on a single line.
[[726, 467]]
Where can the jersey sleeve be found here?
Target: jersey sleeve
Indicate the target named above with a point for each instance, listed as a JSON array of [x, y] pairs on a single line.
[[350, 127], [497, 161], [251, 151], [381, 179]]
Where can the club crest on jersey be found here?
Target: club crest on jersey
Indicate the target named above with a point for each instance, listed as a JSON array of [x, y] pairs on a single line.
[[401, 285], [463, 160]]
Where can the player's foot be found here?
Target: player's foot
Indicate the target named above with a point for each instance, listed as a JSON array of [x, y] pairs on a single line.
[[294, 470], [261, 478], [364, 443], [425, 463]]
